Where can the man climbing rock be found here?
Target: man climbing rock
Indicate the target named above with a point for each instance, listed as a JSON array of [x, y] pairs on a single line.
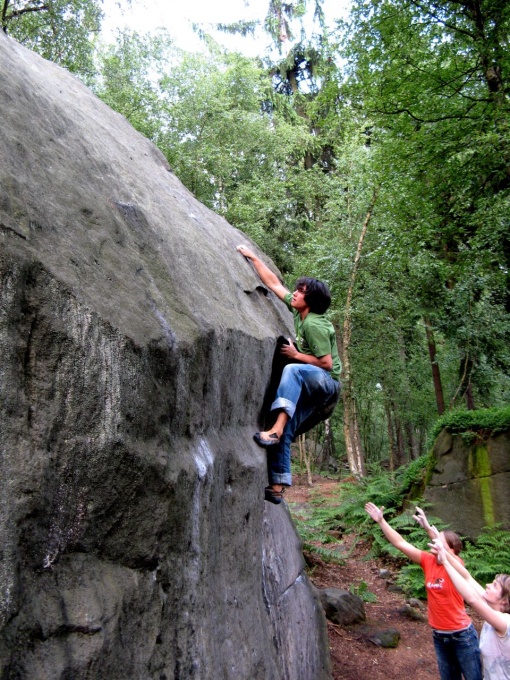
[[309, 381]]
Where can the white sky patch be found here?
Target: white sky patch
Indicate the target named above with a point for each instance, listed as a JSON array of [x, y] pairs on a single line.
[[178, 16]]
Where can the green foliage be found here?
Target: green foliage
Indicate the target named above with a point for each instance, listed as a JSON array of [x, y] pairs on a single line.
[[362, 591], [487, 422], [436, 129], [130, 73], [382, 488], [314, 529], [59, 30], [412, 474], [489, 555], [410, 579], [379, 488]]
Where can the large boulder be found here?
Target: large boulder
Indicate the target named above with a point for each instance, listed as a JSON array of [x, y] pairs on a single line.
[[136, 346], [469, 485]]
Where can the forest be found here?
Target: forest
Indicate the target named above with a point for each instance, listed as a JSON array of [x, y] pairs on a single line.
[[371, 152]]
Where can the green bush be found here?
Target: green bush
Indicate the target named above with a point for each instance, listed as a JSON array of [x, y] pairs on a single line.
[[347, 513], [489, 556], [362, 591], [488, 421]]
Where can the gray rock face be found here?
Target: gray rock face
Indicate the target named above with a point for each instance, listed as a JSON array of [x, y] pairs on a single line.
[[470, 484], [136, 346]]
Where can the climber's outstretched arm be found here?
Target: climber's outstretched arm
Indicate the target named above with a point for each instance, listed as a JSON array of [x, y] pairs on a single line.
[[267, 277]]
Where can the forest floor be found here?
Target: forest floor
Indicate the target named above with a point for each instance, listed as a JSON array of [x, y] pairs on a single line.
[[353, 655]]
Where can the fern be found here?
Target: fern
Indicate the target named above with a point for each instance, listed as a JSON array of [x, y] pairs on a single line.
[[490, 555], [410, 579], [363, 592], [327, 555]]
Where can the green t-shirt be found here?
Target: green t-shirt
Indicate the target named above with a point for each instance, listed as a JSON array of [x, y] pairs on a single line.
[[315, 335]]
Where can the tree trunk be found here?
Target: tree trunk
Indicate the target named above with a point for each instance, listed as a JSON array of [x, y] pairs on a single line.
[[355, 454], [391, 436], [465, 387], [328, 451], [399, 444], [5, 5], [412, 442], [436, 375], [470, 401], [305, 456]]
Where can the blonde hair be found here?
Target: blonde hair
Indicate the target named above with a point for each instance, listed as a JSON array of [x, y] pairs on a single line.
[[504, 582]]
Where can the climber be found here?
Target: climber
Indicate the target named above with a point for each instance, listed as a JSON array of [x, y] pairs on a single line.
[[310, 382]]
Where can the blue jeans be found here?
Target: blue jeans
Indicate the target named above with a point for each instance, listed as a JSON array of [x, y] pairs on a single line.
[[458, 655], [303, 388]]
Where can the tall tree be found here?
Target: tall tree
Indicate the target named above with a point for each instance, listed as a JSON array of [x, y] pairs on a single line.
[[355, 454], [59, 30], [432, 77]]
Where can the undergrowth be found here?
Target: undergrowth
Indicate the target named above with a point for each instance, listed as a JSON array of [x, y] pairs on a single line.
[[327, 520], [346, 514], [315, 529]]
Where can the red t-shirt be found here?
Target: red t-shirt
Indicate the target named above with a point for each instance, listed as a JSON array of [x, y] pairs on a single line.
[[445, 605]]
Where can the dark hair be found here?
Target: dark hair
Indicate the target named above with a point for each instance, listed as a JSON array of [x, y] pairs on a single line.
[[317, 295], [453, 540]]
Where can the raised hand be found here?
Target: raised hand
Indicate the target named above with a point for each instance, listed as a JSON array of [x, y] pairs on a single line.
[[435, 532], [421, 518], [375, 513], [437, 548]]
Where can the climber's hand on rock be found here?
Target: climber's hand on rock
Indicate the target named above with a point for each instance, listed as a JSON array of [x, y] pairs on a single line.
[[289, 350], [246, 252]]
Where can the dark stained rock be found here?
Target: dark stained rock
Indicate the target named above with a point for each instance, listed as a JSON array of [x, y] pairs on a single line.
[[394, 588], [417, 604], [136, 347], [388, 638], [411, 613], [470, 484], [341, 606]]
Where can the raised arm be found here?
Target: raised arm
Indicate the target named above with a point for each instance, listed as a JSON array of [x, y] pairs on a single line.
[[422, 520], [455, 561], [474, 597], [393, 536], [267, 277], [434, 533]]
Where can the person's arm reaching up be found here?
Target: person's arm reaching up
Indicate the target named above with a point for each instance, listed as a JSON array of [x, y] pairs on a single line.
[[474, 598], [267, 277], [393, 536], [455, 562], [422, 520]]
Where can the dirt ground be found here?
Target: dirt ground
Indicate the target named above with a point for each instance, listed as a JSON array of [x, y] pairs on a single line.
[[353, 655]]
